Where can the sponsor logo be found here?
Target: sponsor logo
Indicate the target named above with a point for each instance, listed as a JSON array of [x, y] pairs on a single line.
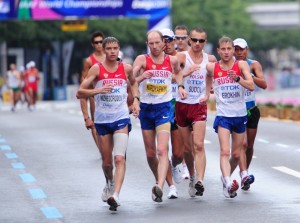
[[165, 117], [164, 68], [118, 75]]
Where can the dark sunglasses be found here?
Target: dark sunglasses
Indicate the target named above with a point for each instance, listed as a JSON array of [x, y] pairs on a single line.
[[168, 40], [97, 42], [180, 37], [195, 40]]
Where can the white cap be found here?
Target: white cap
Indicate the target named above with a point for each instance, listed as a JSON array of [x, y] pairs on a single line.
[[167, 33], [32, 64], [27, 65], [240, 42]]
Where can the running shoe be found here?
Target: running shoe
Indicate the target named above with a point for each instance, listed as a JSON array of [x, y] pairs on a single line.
[[157, 194], [252, 178], [113, 203], [192, 189], [225, 191], [172, 192], [108, 190], [186, 174], [199, 188], [233, 188], [176, 174], [245, 183]]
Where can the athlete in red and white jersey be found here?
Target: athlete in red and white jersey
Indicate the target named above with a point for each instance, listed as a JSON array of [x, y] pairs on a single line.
[[96, 57], [32, 76], [111, 116], [230, 95], [154, 75], [229, 78], [113, 106], [157, 89]]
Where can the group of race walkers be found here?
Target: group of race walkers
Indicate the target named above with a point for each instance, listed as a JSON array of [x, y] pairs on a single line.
[[23, 85], [168, 90]]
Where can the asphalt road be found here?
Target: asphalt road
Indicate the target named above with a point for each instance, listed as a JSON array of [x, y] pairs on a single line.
[[50, 171]]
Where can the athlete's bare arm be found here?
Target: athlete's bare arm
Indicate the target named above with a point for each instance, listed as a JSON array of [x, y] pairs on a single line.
[[134, 90], [258, 78], [178, 76], [83, 101], [209, 78], [247, 81], [84, 89], [139, 69]]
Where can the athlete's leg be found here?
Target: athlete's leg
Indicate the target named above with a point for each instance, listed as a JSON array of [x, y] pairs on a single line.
[[199, 129], [149, 142], [106, 142], [177, 147], [237, 144], [224, 139], [251, 135], [188, 149], [120, 139], [162, 153]]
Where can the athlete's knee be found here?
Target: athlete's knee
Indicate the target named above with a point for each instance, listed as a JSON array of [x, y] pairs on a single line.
[[151, 152], [225, 153], [198, 146], [107, 167], [161, 151], [235, 155], [119, 160]]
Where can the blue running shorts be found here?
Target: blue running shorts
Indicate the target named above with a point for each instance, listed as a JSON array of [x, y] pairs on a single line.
[[110, 128], [153, 115], [233, 124]]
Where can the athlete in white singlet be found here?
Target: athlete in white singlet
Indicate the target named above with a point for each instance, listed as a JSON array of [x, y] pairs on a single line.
[[191, 113]]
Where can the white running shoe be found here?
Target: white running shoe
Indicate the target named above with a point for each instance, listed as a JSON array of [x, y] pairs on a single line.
[[113, 202], [186, 174], [192, 189], [176, 174], [108, 191], [172, 192], [225, 190]]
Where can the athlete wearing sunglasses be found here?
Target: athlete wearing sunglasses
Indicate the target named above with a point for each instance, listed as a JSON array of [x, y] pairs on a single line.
[[193, 61], [181, 38]]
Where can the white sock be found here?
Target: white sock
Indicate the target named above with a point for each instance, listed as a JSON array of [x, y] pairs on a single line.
[[244, 173], [116, 195], [227, 181]]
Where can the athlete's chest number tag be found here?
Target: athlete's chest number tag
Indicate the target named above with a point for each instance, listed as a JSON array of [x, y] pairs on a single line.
[[156, 88]]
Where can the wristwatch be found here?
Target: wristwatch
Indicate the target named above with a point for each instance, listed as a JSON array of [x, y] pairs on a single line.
[[238, 79], [180, 85]]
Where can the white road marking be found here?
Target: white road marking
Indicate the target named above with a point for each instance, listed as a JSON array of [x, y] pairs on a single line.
[[288, 171], [263, 141], [282, 145]]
